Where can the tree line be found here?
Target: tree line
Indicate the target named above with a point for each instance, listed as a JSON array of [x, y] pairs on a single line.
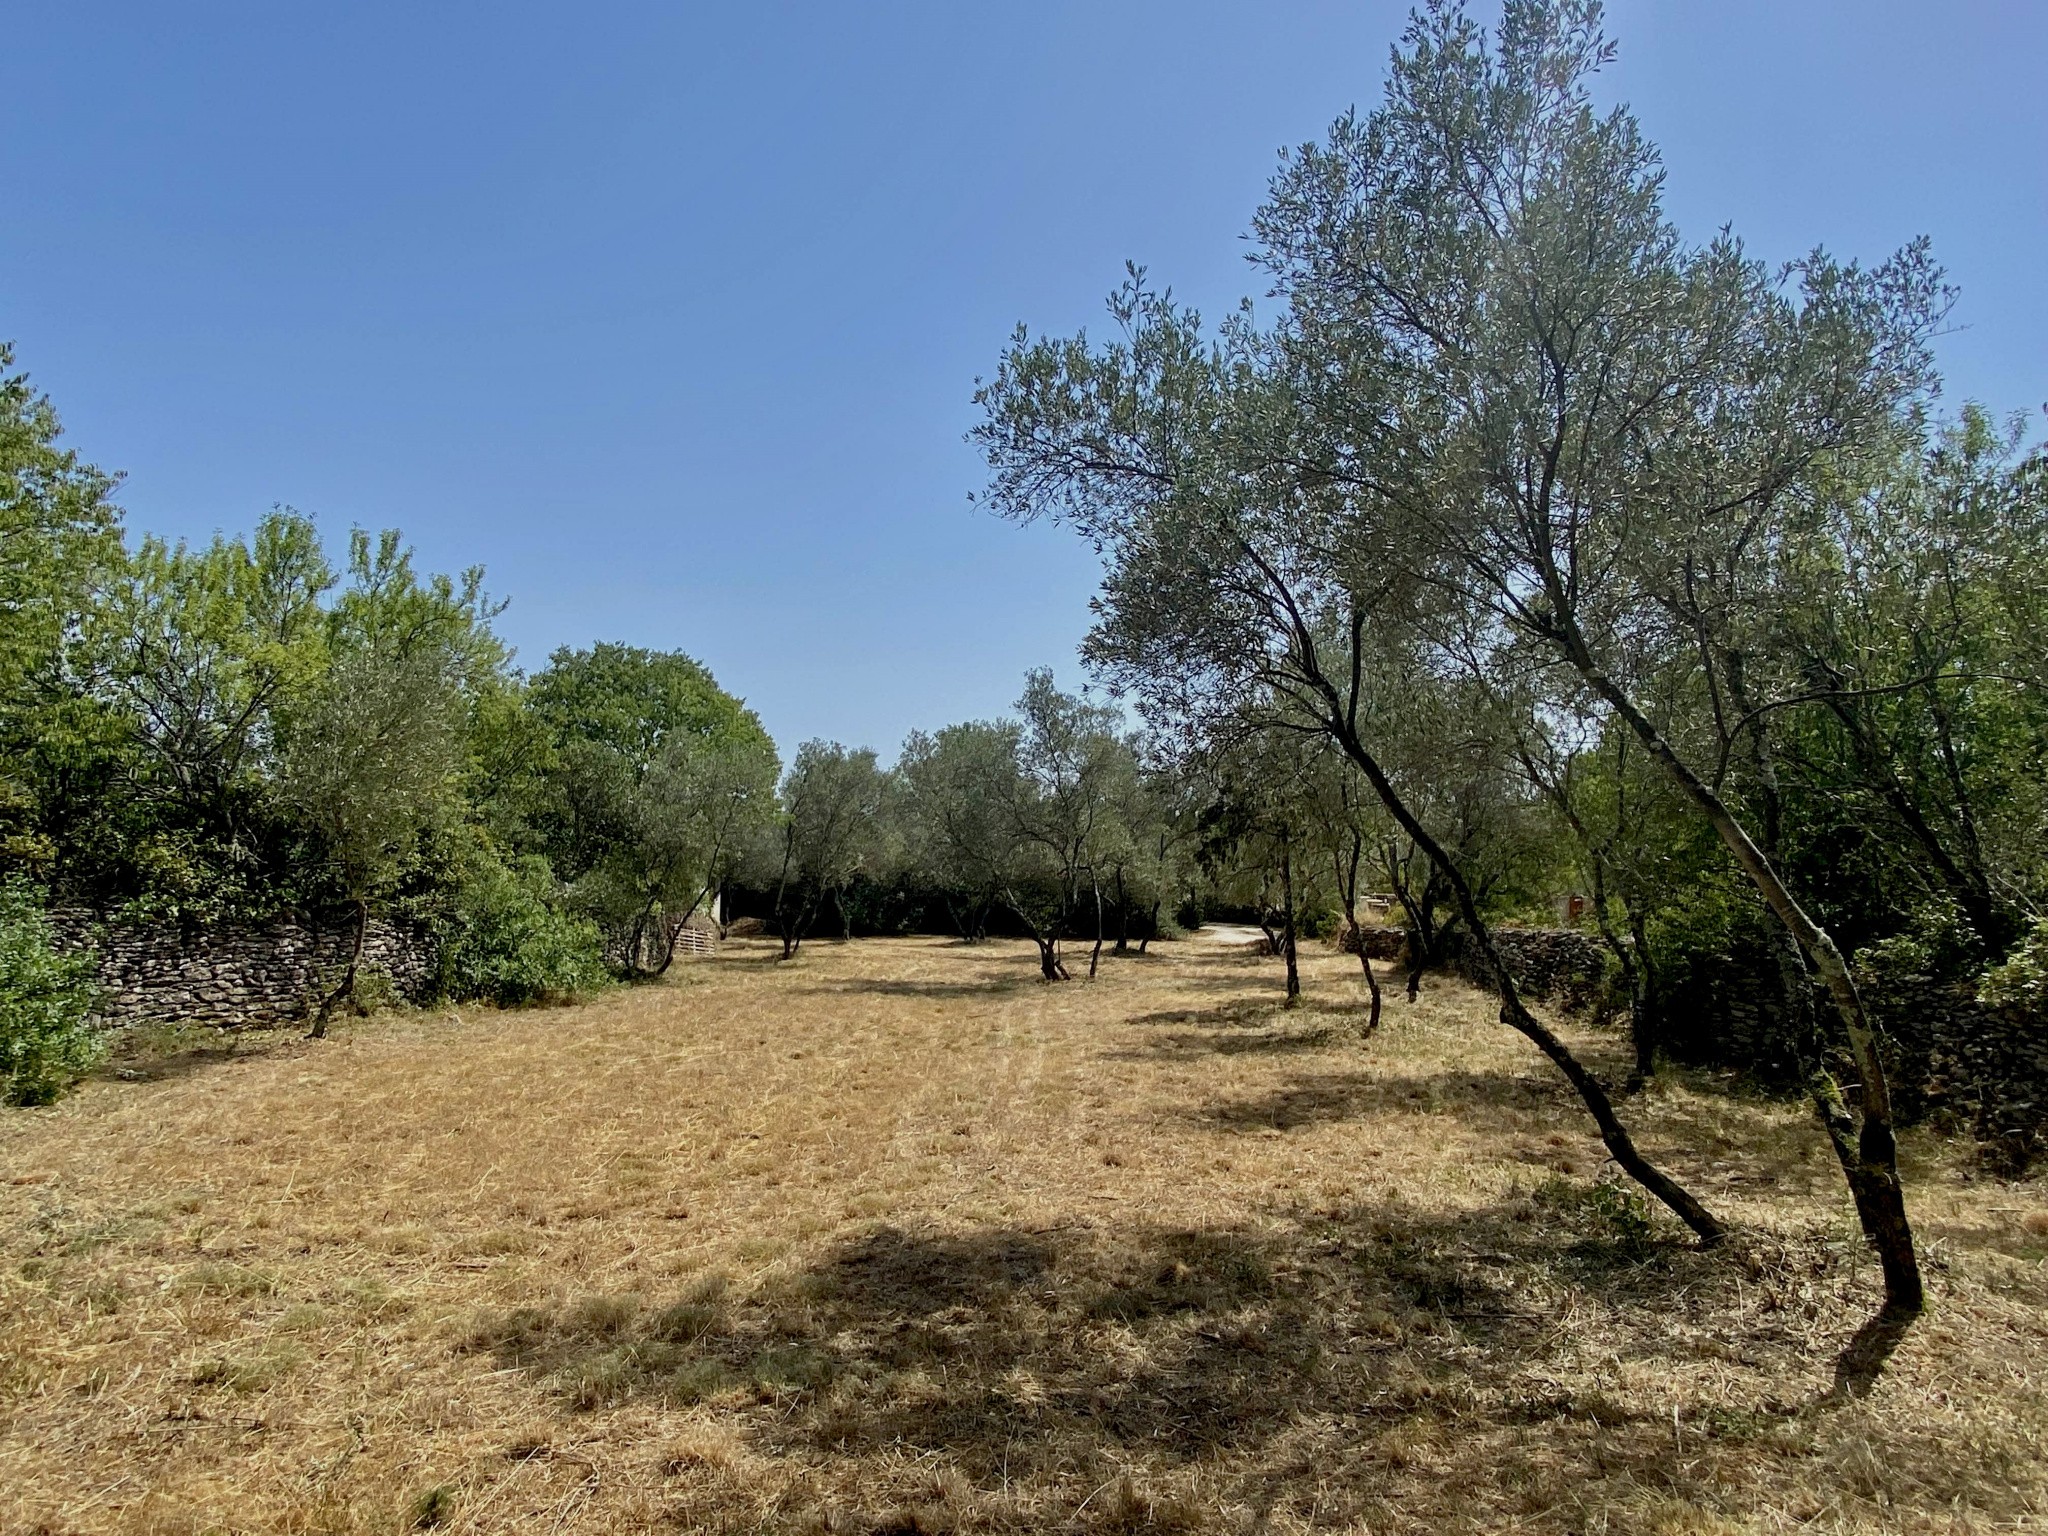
[[220, 733]]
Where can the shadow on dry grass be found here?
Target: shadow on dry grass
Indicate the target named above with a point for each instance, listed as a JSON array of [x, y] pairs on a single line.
[[1248, 1026], [995, 986], [896, 1239], [1323, 1098], [151, 1053], [1365, 1363]]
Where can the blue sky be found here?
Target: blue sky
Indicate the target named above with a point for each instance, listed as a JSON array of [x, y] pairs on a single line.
[[670, 315]]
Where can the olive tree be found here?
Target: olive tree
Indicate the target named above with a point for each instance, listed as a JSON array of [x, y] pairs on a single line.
[[1152, 863], [1345, 824], [1072, 768], [1600, 432], [1030, 814], [1243, 556], [833, 803], [1256, 830], [372, 751], [958, 785]]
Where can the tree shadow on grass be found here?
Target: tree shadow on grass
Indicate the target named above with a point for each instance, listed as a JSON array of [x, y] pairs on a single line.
[[1246, 1013], [1250, 1026], [1369, 1367], [151, 1053], [1864, 1358], [942, 990], [1265, 1042], [1324, 1098]]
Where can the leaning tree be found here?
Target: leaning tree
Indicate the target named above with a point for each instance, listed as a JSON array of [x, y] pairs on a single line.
[[1504, 402], [1233, 577], [1602, 434]]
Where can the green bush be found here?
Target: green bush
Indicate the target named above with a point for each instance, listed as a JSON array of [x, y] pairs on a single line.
[[46, 1042], [1934, 940], [2021, 983], [502, 937]]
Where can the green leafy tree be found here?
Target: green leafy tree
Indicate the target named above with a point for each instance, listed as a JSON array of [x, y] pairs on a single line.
[[60, 548], [501, 931], [1261, 518], [1152, 863], [1904, 618], [834, 801], [195, 653], [654, 782], [1256, 830], [1073, 768], [59, 535], [1345, 823], [957, 784], [1598, 431], [372, 751], [1625, 828]]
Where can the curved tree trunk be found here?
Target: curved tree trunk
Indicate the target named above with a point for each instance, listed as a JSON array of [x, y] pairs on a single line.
[[1346, 865], [1868, 1153], [795, 931], [671, 930], [1633, 982], [1372, 986], [782, 924], [1046, 938], [1516, 1015], [346, 989], [1420, 910], [1287, 922]]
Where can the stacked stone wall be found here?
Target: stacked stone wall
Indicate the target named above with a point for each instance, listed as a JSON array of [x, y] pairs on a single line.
[[1980, 1069], [236, 974], [1378, 941], [1555, 965]]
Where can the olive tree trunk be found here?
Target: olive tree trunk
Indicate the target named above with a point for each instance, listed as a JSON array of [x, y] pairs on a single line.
[[1868, 1152], [1516, 1015]]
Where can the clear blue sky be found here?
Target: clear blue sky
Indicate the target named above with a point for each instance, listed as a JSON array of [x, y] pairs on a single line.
[[669, 315]]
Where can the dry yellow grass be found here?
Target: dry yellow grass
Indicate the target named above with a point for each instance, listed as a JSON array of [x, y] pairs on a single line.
[[896, 1239]]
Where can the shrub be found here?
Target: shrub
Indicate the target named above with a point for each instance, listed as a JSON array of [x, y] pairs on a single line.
[[2021, 983], [502, 937], [46, 1041], [46, 998]]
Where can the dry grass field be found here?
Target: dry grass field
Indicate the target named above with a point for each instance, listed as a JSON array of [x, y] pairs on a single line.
[[897, 1239]]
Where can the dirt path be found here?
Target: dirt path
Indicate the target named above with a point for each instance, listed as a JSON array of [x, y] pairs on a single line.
[[896, 1238]]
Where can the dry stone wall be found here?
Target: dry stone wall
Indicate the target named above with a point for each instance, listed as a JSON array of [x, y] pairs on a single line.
[[236, 974], [1558, 965], [1982, 1069], [1985, 1067], [1378, 941]]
